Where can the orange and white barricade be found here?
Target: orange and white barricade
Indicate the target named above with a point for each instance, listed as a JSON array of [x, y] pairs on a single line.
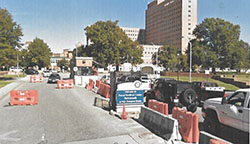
[[65, 84], [36, 78], [158, 106], [188, 124], [104, 90], [25, 97]]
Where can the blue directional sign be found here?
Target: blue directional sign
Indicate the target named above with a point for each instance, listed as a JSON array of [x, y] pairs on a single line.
[[132, 97]]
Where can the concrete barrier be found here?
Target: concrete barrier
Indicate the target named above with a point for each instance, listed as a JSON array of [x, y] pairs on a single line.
[[101, 102], [205, 138], [163, 125]]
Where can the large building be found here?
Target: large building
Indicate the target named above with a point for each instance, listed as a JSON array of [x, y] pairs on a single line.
[[148, 51], [171, 22], [135, 34], [67, 55]]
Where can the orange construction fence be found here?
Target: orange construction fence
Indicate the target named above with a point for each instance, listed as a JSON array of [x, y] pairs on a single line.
[[25, 97], [188, 124], [158, 106], [36, 78], [64, 84], [104, 90]]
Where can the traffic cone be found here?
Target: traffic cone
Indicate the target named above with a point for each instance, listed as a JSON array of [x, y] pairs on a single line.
[[124, 114]]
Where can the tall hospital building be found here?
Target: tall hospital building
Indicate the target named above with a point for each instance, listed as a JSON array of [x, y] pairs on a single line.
[[167, 21]]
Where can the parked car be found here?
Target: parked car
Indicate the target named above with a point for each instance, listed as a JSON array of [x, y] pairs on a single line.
[[144, 85], [15, 69], [31, 72], [175, 93], [47, 73], [232, 111], [53, 78], [144, 78]]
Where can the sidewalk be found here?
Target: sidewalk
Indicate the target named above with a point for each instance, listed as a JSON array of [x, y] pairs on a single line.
[[6, 89]]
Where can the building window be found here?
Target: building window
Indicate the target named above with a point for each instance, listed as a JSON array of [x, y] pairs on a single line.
[[189, 15], [189, 6], [189, 28], [189, 10], [189, 23]]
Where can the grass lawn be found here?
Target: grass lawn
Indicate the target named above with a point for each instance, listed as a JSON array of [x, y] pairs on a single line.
[[13, 76], [221, 84], [240, 77], [6, 79], [3, 83]]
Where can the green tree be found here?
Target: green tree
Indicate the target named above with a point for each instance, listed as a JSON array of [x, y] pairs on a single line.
[[39, 53], [183, 65], [110, 45], [63, 63], [167, 57], [10, 37], [23, 58], [217, 45]]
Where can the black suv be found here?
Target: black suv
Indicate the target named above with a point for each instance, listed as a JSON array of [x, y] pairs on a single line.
[[175, 93], [31, 72], [53, 78]]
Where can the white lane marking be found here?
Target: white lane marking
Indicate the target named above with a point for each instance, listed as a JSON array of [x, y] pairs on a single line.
[[6, 137]]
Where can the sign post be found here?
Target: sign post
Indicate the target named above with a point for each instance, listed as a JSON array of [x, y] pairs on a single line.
[[131, 94]]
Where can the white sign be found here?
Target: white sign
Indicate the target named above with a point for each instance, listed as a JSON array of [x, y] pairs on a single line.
[[207, 72], [75, 69]]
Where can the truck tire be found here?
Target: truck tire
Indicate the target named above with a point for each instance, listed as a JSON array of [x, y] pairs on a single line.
[[187, 97], [211, 123], [192, 107]]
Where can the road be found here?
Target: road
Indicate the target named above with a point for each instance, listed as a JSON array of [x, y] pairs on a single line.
[[66, 116]]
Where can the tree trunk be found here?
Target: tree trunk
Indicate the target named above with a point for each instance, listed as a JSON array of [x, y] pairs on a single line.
[[213, 70], [117, 67]]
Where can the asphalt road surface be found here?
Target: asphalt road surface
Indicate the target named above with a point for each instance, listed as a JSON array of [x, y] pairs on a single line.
[[66, 116]]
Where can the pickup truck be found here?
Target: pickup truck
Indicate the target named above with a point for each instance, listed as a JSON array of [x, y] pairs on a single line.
[[232, 111]]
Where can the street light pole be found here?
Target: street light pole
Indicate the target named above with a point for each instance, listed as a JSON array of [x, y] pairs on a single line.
[[178, 65], [190, 71], [190, 60]]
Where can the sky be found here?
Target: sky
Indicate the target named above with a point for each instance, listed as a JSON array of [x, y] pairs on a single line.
[[61, 23]]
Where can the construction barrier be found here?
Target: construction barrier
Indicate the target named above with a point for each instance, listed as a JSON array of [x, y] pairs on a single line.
[[64, 84], [158, 106], [26, 97], [205, 138], [165, 126], [36, 78], [188, 124], [214, 141], [91, 84], [104, 90], [97, 83]]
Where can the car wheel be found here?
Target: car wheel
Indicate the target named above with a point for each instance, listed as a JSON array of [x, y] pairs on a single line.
[[188, 97], [192, 107]]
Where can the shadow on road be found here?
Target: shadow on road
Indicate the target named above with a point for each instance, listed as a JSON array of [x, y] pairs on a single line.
[[7, 78]]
